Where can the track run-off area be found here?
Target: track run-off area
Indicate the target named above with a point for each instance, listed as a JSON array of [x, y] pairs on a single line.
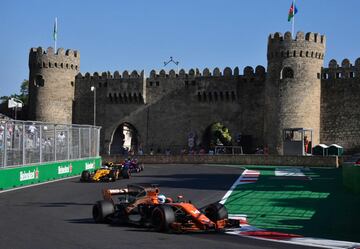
[[58, 214]]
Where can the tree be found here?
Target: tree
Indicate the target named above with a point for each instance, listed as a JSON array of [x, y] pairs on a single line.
[[220, 135], [23, 96]]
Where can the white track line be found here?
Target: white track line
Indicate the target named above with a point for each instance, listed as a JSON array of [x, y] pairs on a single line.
[[247, 176]]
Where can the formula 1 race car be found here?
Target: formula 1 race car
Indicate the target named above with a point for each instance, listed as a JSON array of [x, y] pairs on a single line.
[[108, 172], [143, 205], [132, 164]]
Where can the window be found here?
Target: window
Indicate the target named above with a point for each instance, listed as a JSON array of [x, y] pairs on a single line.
[[157, 83], [39, 81], [233, 97], [287, 73]]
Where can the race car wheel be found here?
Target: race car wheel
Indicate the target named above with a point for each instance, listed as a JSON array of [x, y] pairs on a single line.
[[162, 217], [85, 176], [102, 210], [216, 211], [125, 173], [112, 175]]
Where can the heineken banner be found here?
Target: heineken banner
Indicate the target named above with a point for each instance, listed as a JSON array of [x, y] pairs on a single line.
[[26, 175]]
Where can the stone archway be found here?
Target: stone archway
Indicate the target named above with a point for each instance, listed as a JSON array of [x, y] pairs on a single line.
[[124, 139]]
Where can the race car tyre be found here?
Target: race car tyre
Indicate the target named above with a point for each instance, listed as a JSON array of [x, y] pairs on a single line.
[[215, 212], [162, 217], [102, 210], [85, 176], [125, 173], [112, 175]]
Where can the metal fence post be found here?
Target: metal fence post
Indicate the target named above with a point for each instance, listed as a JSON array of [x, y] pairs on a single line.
[[68, 142], [55, 142], [5, 145], [89, 138], [80, 155], [41, 143], [98, 142], [23, 144]]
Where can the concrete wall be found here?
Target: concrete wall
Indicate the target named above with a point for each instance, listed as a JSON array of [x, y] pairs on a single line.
[[310, 161]]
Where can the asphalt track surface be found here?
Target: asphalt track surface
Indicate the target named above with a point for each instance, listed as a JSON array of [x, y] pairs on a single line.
[[58, 215]]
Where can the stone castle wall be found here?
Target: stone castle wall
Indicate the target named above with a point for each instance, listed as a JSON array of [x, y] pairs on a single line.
[[164, 107], [340, 104], [175, 105]]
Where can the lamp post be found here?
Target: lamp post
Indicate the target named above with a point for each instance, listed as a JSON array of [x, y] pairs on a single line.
[[93, 89]]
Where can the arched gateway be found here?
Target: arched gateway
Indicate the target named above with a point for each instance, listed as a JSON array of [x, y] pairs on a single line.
[[124, 139]]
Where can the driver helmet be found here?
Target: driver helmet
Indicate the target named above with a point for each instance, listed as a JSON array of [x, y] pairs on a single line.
[[161, 199]]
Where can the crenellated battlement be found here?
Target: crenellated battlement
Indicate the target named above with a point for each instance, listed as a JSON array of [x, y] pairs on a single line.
[[309, 46], [50, 52], [108, 75], [248, 71], [216, 72], [345, 71], [300, 36], [62, 59]]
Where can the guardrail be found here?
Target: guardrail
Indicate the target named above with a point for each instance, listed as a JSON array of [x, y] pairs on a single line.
[[30, 142]]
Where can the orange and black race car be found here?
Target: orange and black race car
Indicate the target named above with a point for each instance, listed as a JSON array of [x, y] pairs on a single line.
[[108, 172], [143, 205]]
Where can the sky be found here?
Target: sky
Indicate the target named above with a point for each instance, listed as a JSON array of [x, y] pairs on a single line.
[[142, 34]]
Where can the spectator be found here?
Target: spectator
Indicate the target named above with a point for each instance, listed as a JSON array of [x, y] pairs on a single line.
[[167, 152], [202, 151], [151, 151]]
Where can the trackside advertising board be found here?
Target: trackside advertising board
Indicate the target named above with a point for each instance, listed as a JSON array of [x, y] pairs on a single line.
[[26, 175]]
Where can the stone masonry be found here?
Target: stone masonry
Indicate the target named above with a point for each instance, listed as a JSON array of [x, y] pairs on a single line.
[[164, 108]]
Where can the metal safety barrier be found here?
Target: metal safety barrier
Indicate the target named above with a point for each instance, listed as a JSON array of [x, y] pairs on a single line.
[[30, 142]]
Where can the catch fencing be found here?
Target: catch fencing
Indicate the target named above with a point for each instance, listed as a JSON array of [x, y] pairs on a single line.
[[29, 142]]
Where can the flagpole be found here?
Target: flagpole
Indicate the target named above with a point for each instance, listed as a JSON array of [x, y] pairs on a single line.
[[55, 33], [293, 20]]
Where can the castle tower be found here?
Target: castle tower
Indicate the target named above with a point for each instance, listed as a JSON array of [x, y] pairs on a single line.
[[52, 83], [293, 86]]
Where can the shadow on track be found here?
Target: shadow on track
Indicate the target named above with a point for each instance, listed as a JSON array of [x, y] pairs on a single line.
[[192, 181]]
